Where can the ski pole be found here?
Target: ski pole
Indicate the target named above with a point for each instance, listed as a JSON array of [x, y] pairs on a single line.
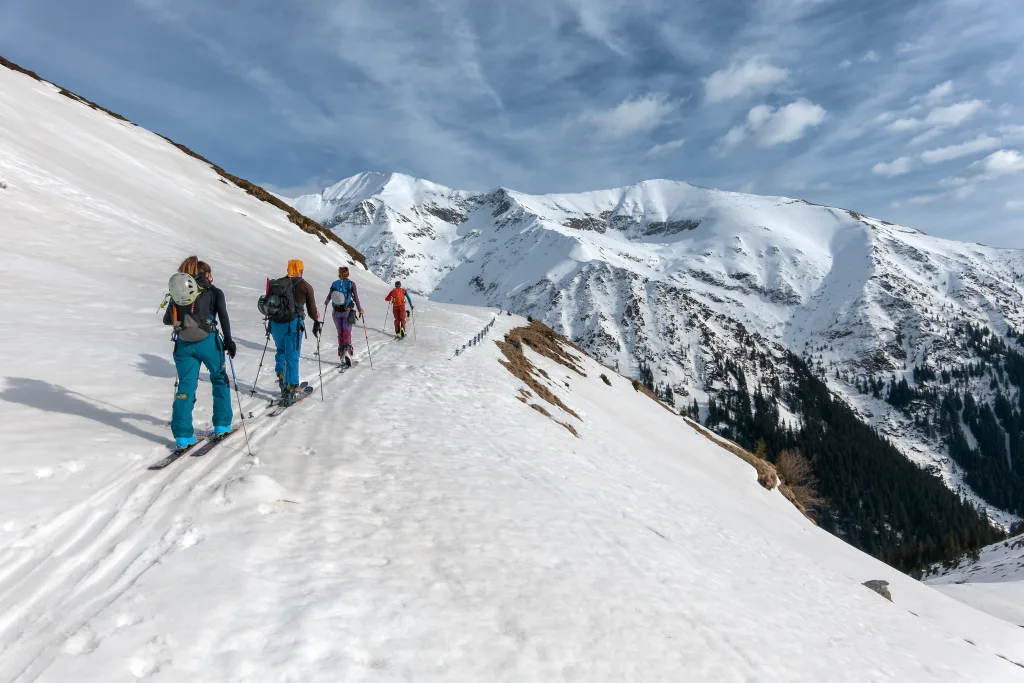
[[320, 366], [241, 412], [386, 314], [414, 326], [367, 342], [262, 356]]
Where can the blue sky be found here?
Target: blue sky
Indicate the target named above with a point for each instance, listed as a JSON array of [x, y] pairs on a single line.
[[912, 111]]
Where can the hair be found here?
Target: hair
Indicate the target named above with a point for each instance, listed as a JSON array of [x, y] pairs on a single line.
[[295, 266], [343, 272], [190, 266], [398, 283], [205, 268]]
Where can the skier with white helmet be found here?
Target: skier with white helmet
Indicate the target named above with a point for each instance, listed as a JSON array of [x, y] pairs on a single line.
[[195, 309]]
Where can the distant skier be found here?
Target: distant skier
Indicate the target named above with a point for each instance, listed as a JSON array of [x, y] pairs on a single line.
[[344, 299], [398, 297], [196, 307], [287, 297]]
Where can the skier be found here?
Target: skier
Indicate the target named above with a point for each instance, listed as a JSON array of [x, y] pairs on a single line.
[[196, 306], [398, 297], [288, 326], [345, 301]]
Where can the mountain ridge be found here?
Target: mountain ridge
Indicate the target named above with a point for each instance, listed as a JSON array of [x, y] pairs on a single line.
[[673, 277]]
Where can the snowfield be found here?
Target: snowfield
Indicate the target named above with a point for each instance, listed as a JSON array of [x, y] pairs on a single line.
[[421, 524], [993, 584]]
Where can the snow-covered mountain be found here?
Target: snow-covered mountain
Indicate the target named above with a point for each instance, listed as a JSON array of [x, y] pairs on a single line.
[[683, 279], [991, 581], [434, 519]]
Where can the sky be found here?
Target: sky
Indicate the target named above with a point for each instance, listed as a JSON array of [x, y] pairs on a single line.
[[907, 110]]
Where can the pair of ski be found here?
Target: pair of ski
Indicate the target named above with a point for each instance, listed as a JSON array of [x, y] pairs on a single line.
[[208, 441]]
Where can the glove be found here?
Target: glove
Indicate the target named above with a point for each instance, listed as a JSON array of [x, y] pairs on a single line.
[[230, 347], [360, 313], [317, 326], [411, 309]]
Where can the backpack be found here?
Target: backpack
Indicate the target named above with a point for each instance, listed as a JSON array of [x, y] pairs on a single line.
[[341, 299], [398, 300], [193, 316], [279, 303]]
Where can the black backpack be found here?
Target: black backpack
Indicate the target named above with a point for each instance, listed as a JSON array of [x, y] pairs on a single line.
[[194, 322], [279, 304]]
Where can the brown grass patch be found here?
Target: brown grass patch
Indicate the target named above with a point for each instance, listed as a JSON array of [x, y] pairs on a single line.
[[548, 343], [304, 223], [540, 409], [520, 367], [570, 428], [797, 475]]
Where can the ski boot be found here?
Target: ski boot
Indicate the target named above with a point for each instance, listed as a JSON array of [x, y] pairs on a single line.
[[183, 442], [288, 395], [219, 432]]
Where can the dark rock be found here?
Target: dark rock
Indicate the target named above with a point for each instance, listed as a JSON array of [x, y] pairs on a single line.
[[880, 587]]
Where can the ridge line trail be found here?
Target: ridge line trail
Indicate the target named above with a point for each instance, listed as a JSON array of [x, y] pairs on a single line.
[[62, 573]]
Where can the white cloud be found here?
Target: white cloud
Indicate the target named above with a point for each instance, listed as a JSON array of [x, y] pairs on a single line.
[[735, 136], [748, 187], [893, 168], [954, 114], [669, 146], [1005, 109], [1014, 205], [940, 92], [871, 56], [940, 117], [1012, 131], [982, 143], [632, 116], [786, 124], [752, 75], [1003, 162], [845, 64]]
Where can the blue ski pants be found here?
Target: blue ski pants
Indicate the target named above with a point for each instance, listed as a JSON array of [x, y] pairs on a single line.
[[288, 339], [188, 356]]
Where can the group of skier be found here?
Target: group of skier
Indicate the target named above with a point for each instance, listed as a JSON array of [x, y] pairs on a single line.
[[196, 308]]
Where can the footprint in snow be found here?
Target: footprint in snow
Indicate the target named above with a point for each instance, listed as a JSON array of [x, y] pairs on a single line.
[[81, 642]]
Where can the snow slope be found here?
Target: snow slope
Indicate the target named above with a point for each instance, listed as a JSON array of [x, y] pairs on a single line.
[[684, 277], [420, 524], [994, 583]]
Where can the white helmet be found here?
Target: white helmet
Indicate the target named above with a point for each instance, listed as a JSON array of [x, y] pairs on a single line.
[[184, 288]]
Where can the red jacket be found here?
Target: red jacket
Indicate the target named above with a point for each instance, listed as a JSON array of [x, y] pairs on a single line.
[[398, 297]]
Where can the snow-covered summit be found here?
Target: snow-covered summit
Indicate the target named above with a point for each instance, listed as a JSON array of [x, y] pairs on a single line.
[[682, 278]]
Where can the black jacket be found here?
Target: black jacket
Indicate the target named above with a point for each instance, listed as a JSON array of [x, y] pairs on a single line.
[[219, 308]]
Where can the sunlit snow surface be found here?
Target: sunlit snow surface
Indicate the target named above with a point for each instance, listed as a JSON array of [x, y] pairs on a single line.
[[420, 525]]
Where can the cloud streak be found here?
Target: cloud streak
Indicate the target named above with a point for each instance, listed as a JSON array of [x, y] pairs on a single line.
[[632, 116], [769, 127], [754, 75]]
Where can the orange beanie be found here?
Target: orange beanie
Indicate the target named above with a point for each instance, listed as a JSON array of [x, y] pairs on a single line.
[[295, 266]]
